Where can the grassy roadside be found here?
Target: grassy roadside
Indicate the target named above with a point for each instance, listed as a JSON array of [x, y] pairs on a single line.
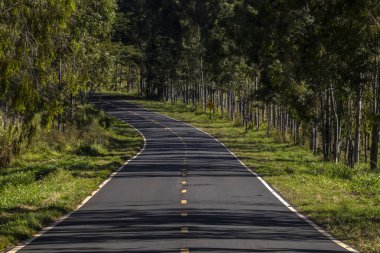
[[344, 201], [57, 172]]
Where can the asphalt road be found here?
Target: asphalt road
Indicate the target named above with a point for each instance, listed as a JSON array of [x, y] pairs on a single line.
[[184, 193]]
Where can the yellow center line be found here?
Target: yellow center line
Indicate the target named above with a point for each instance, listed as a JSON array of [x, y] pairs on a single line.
[[183, 191]]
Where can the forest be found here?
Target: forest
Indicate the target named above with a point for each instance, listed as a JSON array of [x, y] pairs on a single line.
[[291, 87], [309, 69]]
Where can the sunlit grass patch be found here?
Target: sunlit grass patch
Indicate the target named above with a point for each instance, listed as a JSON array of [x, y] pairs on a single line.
[[57, 172], [343, 200]]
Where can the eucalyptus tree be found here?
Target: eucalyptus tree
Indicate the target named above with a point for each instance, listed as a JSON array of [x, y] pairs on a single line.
[[156, 33], [50, 50], [309, 68]]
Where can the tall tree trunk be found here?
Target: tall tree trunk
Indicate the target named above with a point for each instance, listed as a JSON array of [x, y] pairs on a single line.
[[365, 145], [351, 153], [314, 137], [324, 131], [274, 114], [233, 106], [141, 90], [375, 123], [71, 106], [269, 119], [257, 117], [356, 154], [336, 145], [328, 128], [221, 104], [374, 145]]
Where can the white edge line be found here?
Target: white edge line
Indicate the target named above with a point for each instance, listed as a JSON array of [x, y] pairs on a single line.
[[283, 201], [54, 224]]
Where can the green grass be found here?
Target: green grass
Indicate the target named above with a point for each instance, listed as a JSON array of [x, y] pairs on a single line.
[[344, 201], [56, 173]]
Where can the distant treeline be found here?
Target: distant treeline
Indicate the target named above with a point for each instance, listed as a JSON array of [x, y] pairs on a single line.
[[307, 68]]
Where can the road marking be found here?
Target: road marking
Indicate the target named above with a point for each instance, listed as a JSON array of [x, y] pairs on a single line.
[[290, 207], [184, 230], [183, 191], [185, 251], [184, 213], [184, 182], [184, 202], [166, 128], [57, 222]]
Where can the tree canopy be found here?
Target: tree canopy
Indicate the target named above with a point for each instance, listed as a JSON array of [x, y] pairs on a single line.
[[308, 68], [51, 52]]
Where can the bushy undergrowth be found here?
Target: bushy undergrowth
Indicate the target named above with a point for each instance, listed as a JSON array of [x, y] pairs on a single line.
[[332, 170], [15, 137], [58, 170], [362, 181], [9, 136], [366, 184]]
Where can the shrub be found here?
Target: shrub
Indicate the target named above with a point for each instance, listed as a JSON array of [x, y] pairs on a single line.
[[366, 184], [333, 170], [105, 120], [339, 171], [289, 170], [87, 150], [85, 115], [238, 121], [10, 144]]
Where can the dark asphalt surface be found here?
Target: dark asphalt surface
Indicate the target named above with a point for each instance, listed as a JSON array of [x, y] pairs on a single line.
[[140, 210]]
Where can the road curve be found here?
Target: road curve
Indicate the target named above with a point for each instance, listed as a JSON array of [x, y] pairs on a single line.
[[184, 193]]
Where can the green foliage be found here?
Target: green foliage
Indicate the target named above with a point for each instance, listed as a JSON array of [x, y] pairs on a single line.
[[343, 200], [339, 171], [85, 115], [56, 172], [366, 184], [238, 121], [10, 134], [88, 150], [52, 53], [313, 61], [105, 120]]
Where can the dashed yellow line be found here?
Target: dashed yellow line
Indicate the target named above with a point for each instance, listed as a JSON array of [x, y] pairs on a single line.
[[184, 213]]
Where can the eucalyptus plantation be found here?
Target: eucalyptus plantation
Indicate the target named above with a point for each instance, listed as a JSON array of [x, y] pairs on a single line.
[[308, 70]]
